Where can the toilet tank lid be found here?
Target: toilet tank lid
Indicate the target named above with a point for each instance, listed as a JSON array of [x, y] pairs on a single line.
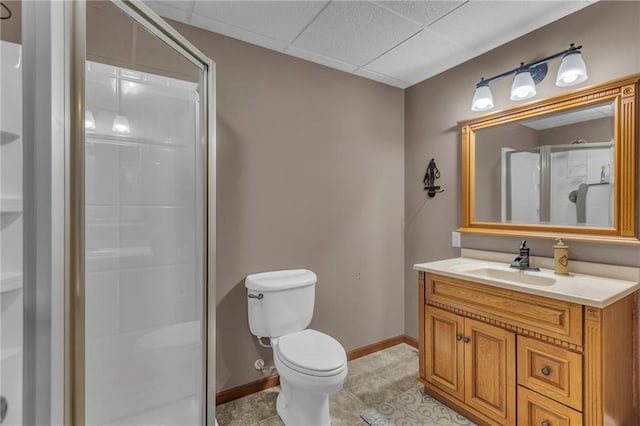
[[280, 280]]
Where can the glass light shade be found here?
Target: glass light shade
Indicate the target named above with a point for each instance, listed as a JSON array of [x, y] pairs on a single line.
[[89, 120], [121, 124], [482, 99], [523, 86], [572, 70]]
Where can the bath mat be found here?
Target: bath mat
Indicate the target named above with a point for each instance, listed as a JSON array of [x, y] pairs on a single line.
[[412, 408]]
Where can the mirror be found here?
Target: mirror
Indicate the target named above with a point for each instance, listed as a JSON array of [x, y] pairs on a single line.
[[562, 166], [553, 169]]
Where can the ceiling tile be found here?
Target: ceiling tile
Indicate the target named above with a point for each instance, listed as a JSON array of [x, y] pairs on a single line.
[[421, 12], [479, 26], [279, 20], [169, 12], [237, 33], [355, 32], [422, 56], [382, 78], [319, 59]]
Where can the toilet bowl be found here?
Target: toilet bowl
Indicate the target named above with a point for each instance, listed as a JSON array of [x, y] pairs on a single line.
[[311, 364]]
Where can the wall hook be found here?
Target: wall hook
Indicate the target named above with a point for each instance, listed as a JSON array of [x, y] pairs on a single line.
[[6, 12], [430, 177]]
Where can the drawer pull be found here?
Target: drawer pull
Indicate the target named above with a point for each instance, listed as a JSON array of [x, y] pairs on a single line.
[[545, 423], [458, 337], [466, 339], [546, 372]]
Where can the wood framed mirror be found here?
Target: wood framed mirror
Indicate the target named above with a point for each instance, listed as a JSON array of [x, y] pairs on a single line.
[[564, 166]]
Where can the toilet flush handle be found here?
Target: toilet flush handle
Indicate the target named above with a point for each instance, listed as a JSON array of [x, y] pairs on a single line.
[[256, 296]]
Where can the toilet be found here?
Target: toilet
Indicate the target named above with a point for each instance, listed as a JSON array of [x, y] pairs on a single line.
[[311, 364]]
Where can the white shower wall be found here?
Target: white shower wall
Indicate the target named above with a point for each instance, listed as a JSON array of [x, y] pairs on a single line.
[[143, 265], [11, 324], [571, 168]]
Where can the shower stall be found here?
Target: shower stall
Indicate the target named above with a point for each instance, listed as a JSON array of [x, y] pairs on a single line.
[[107, 202], [569, 184]]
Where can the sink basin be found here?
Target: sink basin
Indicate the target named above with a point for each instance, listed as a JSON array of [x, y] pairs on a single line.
[[580, 286], [514, 275]]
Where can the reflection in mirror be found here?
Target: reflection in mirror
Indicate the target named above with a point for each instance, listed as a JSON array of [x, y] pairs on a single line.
[[553, 169]]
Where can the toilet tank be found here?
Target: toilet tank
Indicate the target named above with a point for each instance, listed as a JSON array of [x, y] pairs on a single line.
[[286, 304]]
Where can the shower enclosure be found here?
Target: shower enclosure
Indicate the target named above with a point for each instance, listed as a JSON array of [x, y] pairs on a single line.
[[569, 184], [11, 222], [107, 240]]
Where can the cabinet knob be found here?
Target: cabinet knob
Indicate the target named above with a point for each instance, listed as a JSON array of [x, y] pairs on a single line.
[[466, 339], [458, 337], [545, 423], [546, 372]]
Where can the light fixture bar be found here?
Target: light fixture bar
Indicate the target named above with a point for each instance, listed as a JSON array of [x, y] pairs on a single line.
[[485, 81], [572, 71]]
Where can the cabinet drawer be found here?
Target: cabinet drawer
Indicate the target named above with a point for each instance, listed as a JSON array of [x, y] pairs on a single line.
[[550, 370], [554, 318], [537, 410]]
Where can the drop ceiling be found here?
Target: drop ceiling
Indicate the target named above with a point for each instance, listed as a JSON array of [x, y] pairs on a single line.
[[399, 43], [571, 117]]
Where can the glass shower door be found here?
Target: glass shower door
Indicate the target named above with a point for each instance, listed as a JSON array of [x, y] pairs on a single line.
[[105, 217], [145, 182], [520, 179]]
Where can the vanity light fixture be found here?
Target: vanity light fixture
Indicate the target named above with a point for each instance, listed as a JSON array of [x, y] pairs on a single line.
[[121, 124], [523, 87], [89, 120], [572, 71], [482, 98]]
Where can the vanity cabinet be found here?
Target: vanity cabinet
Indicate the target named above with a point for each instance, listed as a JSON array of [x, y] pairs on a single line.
[[506, 357], [473, 361]]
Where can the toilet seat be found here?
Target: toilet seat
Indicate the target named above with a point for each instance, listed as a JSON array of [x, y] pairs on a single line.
[[311, 352]]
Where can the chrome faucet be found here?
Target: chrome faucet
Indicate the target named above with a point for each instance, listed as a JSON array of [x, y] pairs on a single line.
[[522, 260]]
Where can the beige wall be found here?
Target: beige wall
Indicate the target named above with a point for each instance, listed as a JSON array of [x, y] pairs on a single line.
[[115, 38], [610, 34], [310, 175], [600, 130], [10, 29]]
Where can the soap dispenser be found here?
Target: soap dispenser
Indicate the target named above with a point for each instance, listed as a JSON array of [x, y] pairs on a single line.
[[561, 258]]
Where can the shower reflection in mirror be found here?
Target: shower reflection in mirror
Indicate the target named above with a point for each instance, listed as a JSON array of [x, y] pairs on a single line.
[[563, 184], [552, 169]]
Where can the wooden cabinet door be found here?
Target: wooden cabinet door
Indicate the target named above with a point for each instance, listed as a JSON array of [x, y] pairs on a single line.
[[444, 351], [490, 370], [537, 410]]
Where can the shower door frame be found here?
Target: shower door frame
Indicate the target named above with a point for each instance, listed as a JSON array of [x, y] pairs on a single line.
[[74, 283]]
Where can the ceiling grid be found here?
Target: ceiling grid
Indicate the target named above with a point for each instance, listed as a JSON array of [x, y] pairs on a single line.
[[397, 42]]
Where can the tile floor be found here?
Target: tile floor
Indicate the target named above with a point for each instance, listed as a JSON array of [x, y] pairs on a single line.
[[372, 379]]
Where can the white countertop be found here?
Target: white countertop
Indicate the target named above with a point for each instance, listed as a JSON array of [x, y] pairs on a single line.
[[590, 290]]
